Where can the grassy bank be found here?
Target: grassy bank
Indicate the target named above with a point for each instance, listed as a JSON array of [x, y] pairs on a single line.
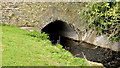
[[21, 49]]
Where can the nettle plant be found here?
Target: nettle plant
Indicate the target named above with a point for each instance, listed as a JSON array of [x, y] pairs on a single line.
[[104, 17], [38, 35]]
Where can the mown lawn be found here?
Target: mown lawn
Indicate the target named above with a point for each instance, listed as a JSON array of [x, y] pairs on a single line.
[[21, 49]]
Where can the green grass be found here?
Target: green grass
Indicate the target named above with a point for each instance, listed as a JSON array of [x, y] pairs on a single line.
[[21, 49]]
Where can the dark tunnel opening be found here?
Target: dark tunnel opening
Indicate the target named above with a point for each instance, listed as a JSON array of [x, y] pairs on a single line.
[[59, 31]]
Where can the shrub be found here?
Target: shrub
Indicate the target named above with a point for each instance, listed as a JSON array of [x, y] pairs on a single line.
[[104, 18], [38, 35]]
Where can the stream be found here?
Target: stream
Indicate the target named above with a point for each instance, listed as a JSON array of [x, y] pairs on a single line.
[[93, 53]]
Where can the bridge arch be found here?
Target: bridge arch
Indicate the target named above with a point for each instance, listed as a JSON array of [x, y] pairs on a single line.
[[58, 30]]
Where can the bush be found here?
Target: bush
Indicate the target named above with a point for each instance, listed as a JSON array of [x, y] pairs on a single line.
[[38, 35], [104, 18]]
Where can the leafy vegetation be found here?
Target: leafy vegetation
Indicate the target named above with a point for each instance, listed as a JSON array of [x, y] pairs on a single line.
[[104, 17], [38, 35], [22, 49]]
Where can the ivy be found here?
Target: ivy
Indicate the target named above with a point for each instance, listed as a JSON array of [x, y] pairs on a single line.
[[104, 17]]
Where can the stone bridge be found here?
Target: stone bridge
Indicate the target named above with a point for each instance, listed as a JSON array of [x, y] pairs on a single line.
[[63, 18]]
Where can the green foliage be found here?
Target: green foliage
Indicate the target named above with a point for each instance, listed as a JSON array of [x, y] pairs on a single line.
[[59, 46], [4, 24], [104, 18], [38, 35]]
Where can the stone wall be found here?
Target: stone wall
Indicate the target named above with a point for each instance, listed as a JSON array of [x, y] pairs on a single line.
[[39, 14]]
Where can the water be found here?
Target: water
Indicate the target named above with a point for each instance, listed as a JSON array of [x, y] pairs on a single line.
[[93, 53]]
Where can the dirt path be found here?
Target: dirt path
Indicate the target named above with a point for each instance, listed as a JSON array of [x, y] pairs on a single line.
[[30, 28]]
